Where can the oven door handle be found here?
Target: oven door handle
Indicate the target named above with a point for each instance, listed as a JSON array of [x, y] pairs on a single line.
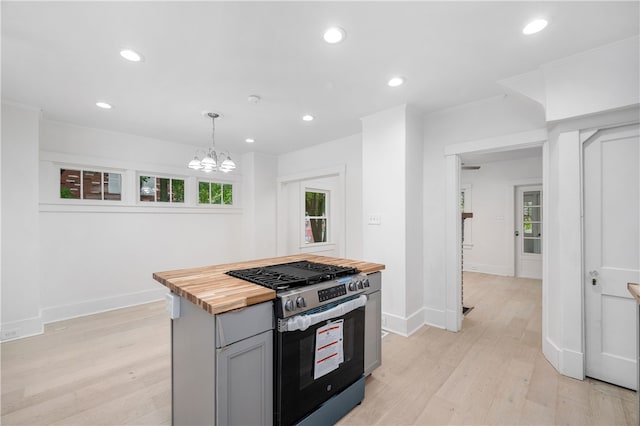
[[302, 322]]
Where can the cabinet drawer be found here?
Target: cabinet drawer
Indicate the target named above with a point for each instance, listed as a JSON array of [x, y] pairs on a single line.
[[234, 326]]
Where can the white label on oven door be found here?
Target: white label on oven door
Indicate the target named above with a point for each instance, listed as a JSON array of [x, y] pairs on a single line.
[[329, 352]]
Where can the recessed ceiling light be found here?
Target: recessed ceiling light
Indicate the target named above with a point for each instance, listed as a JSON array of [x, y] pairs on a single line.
[[334, 35], [103, 105], [131, 55], [535, 26], [396, 81], [308, 117], [249, 140]]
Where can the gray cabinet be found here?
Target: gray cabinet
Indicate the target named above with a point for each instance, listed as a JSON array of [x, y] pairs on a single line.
[[243, 384], [222, 366], [373, 326]]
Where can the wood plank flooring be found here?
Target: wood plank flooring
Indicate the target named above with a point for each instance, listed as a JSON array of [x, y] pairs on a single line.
[[114, 369], [492, 372], [106, 369]]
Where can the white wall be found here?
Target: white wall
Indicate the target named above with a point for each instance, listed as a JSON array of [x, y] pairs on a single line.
[[598, 80], [259, 203], [414, 224], [345, 152], [384, 194], [491, 191], [20, 226], [93, 256], [392, 192]]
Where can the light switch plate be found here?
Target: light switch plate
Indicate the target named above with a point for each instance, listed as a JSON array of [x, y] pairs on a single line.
[[374, 219]]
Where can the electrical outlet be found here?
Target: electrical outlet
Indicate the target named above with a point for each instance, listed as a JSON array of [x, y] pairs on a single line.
[[9, 334], [172, 305]]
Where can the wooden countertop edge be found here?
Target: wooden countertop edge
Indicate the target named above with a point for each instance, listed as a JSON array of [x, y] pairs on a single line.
[[247, 293], [634, 289]]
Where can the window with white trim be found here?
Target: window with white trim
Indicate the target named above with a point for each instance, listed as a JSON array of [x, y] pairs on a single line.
[[316, 227], [217, 193], [158, 189], [85, 184]]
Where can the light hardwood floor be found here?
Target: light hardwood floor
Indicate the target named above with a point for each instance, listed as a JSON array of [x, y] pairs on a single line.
[[113, 368], [492, 372]]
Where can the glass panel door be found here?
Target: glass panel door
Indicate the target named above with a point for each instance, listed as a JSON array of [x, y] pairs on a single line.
[[531, 222]]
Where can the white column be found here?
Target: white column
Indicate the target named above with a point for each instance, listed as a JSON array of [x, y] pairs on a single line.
[[20, 223]]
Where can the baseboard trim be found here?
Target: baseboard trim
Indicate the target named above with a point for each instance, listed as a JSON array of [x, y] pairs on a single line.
[[434, 317], [89, 307], [551, 352], [572, 364], [451, 318], [403, 326], [20, 329], [488, 269], [415, 321]]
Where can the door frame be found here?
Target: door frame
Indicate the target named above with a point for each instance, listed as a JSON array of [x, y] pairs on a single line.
[[453, 237]]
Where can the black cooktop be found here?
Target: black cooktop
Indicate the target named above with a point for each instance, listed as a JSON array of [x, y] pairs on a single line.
[[294, 274]]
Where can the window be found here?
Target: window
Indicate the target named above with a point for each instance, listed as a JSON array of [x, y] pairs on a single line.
[[161, 189], [81, 184], [315, 216], [215, 193]]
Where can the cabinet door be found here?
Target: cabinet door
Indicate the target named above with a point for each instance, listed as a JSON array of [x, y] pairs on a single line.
[[373, 333], [244, 382]]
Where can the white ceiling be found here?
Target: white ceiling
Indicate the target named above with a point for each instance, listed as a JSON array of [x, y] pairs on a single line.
[[63, 57]]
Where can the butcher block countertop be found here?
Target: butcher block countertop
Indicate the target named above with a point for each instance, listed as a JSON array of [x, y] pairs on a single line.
[[634, 289], [210, 288]]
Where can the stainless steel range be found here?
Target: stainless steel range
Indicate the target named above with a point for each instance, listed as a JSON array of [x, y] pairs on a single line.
[[319, 359]]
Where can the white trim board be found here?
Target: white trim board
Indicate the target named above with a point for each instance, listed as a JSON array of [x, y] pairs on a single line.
[[509, 142], [404, 326]]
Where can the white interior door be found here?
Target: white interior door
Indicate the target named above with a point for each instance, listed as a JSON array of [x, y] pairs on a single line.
[[528, 234], [612, 254]]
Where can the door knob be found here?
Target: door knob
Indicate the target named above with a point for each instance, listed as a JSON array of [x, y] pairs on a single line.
[[594, 276], [517, 233]]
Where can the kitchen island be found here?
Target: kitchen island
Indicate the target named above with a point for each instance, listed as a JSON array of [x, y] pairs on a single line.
[[223, 340]]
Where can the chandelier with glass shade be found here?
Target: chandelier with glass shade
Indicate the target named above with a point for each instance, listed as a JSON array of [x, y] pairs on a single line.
[[213, 160]]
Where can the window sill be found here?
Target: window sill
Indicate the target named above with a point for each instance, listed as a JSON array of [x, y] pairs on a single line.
[[309, 245], [119, 207]]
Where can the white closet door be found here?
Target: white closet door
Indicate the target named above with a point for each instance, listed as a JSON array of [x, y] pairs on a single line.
[[612, 254]]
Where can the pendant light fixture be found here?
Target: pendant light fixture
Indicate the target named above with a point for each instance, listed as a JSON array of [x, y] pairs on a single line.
[[212, 160]]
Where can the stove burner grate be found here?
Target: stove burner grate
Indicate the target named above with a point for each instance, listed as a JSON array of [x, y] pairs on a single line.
[[294, 274]]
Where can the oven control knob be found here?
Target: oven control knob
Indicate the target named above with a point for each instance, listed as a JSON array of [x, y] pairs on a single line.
[[360, 285], [288, 305], [300, 302], [352, 286], [365, 282]]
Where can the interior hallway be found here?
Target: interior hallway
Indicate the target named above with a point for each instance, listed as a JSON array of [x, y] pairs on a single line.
[[114, 369]]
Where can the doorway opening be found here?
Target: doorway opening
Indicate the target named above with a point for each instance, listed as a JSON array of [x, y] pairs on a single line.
[[494, 226]]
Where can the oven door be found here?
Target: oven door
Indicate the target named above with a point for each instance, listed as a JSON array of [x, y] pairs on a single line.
[[297, 392]]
